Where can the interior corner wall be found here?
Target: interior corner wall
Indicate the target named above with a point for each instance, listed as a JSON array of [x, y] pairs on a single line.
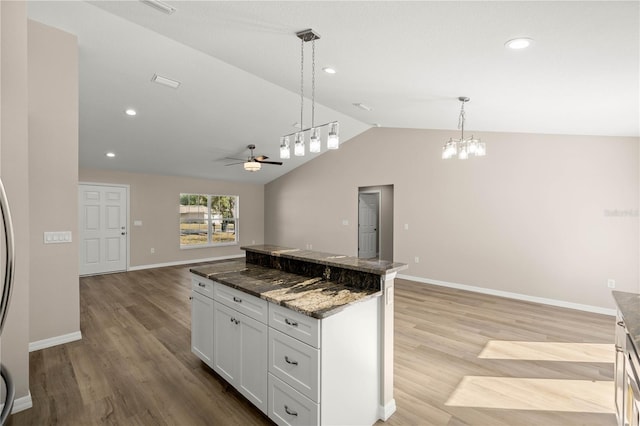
[[14, 166], [53, 181], [154, 202], [550, 216]]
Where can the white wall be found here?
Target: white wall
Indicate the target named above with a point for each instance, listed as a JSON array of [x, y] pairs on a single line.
[[155, 200], [529, 218]]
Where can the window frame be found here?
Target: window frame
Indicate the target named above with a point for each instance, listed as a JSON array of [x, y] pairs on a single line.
[[210, 221]]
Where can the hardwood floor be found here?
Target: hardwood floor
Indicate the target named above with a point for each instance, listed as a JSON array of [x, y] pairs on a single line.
[[134, 365]]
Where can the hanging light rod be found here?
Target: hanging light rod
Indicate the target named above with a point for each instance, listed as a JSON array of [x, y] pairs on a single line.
[[333, 139], [311, 128], [463, 148]]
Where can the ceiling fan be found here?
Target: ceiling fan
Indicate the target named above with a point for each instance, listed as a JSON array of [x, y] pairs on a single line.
[[253, 163]]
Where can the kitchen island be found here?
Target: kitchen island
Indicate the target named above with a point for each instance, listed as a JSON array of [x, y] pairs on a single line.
[[306, 336]]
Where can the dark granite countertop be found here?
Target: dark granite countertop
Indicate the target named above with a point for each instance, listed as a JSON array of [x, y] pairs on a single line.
[[380, 267], [629, 306], [314, 297]]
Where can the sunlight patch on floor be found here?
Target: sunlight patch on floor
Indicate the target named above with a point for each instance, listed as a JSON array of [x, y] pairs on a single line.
[[549, 351], [534, 394]]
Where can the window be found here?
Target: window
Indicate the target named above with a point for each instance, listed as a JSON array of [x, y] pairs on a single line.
[[208, 220]]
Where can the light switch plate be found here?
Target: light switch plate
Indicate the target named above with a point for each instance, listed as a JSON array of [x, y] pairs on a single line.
[[57, 237]]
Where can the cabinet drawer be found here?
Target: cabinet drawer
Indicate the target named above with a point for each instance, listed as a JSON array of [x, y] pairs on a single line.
[[295, 363], [302, 327], [247, 304], [202, 286], [289, 407]]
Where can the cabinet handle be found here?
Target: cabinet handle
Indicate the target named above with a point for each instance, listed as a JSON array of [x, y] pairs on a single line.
[[291, 413], [201, 285], [236, 321], [286, 358], [233, 320], [291, 323], [620, 323], [235, 299], [619, 348]]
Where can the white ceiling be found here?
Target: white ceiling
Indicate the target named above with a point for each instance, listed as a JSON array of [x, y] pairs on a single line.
[[239, 64]]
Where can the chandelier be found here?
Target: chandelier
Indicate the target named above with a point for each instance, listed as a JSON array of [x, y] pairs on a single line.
[[463, 148], [298, 137]]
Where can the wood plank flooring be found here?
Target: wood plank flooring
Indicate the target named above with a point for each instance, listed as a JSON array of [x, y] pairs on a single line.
[[134, 365]]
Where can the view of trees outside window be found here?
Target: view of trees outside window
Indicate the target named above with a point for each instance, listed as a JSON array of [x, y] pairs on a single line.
[[207, 220]]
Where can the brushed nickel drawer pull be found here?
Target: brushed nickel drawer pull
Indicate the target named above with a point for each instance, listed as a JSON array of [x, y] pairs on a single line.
[[201, 285], [235, 299], [620, 323], [291, 413], [619, 348], [286, 358], [291, 323]]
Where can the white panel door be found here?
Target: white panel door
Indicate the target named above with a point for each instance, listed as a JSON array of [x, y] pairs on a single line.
[[368, 225], [103, 229]]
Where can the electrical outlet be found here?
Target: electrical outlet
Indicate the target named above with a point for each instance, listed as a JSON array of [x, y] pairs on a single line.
[[417, 259], [406, 226], [253, 242], [153, 250], [611, 283]]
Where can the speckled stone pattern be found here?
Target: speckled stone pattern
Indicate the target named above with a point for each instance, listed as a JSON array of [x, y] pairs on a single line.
[[348, 277], [378, 267], [629, 306], [312, 296]]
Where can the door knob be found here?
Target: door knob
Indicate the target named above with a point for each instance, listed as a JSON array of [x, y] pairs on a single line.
[[123, 233]]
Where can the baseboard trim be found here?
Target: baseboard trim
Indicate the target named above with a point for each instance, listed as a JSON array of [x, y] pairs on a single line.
[[22, 403], [509, 295], [385, 411], [54, 341], [184, 262]]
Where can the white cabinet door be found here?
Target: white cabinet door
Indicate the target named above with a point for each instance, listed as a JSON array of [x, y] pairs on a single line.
[[202, 327], [252, 355], [225, 342]]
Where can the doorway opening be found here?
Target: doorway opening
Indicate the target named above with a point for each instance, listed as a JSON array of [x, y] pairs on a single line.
[[375, 222]]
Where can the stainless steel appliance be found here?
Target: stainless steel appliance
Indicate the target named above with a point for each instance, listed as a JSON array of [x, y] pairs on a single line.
[[9, 258]]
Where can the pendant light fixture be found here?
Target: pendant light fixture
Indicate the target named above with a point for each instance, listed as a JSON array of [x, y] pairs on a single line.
[[315, 133], [463, 148]]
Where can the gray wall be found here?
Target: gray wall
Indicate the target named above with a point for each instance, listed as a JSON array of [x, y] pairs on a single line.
[[533, 217], [54, 297], [14, 169], [155, 200]]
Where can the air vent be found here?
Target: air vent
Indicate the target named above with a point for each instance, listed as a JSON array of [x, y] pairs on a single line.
[[165, 81], [161, 6]]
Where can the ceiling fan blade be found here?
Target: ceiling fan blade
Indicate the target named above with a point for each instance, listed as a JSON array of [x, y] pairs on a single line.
[[261, 158], [279, 163], [233, 158], [233, 164]]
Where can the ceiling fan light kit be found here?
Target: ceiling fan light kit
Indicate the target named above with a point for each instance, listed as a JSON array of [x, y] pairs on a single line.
[[463, 148], [315, 144], [253, 163]]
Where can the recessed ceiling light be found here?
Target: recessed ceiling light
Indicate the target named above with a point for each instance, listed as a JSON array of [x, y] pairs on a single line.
[[329, 70], [519, 43], [130, 111], [362, 106], [159, 5], [110, 154], [165, 81]]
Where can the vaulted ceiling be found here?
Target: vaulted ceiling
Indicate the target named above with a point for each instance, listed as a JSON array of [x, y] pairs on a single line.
[[239, 68]]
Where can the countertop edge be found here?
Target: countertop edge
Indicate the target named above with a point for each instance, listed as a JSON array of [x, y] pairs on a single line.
[[321, 314]]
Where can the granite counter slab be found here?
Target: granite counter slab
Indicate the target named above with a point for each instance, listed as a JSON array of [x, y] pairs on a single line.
[[380, 267], [629, 306], [315, 297]]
